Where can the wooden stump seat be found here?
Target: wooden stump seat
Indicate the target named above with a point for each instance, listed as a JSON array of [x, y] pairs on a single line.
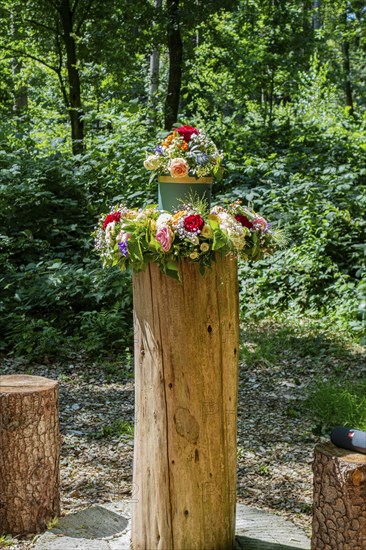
[[29, 453], [339, 508]]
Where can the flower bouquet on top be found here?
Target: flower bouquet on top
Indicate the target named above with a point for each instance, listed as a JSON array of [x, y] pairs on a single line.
[[135, 237], [186, 151]]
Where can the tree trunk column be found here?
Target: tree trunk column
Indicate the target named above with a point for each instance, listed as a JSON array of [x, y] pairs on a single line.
[[29, 453], [186, 359]]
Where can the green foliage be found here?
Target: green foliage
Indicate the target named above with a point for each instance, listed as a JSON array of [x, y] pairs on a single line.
[[266, 80], [52, 522], [307, 351], [333, 404], [268, 341], [54, 292], [309, 179], [6, 541], [118, 428]]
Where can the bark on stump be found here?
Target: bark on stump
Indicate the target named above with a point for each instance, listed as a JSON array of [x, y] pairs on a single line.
[[186, 360], [339, 508], [29, 453]]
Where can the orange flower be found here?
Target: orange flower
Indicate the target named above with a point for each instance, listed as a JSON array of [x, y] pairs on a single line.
[[168, 140], [183, 146], [176, 216], [178, 168]]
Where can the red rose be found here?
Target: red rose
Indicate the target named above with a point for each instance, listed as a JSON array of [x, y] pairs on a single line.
[[243, 221], [193, 223], [186, 132], [115, 217]]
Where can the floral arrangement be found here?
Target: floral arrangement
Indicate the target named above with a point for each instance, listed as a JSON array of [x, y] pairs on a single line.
[[185, 152], [135, 237]]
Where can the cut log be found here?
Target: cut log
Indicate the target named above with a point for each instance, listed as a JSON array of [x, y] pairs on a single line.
[[339, 508], [29, 453], [186, 360]]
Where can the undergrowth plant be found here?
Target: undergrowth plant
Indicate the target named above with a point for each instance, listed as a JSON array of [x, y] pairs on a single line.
[[336, 403]]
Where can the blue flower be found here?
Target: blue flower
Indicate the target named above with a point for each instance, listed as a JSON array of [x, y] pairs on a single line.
[[201, 159], [123, 248]]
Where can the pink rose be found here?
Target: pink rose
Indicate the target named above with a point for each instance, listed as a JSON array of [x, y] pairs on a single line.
[[260, 223], [165, 238], [178, 168]]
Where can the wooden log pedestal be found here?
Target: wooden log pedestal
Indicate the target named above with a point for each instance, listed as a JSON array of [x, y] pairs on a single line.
[[29, 453], [339, 508], [186, 355]]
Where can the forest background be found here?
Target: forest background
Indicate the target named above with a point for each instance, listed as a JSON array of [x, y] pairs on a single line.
[[87, 87]]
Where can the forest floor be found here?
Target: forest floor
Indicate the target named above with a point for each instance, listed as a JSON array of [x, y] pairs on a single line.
[[275, 437]]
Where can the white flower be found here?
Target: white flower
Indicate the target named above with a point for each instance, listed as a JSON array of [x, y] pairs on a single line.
[[123, 236], [109, 232], [152, 162], [232, 229], [163, 220]]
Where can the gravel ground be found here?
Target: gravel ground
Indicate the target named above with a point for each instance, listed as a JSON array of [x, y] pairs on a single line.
[[275, 442]]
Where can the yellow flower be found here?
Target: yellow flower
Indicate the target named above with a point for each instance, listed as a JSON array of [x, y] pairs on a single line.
[[193, 255], [168, 140], [205, 247], [176, 216], [153, 225], [152, 162], [206, 231]]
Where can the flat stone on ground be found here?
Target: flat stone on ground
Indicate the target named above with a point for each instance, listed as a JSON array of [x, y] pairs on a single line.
[[107, 527], [96, 522], [258, 530]]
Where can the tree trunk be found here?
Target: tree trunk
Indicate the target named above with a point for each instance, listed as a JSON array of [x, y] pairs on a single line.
[[20, 103], [339, 509], [186, 356], [154, 75], [75, 109], [316, 15], [29, 453], [20, 92], [347, 76], [175, 48]]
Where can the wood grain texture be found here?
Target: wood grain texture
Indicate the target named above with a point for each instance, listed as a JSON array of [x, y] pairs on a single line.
[[29, 453], [186, 358], [339, 508]]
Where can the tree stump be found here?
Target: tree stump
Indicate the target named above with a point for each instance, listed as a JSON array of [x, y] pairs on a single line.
[[186, 360], [29, 453], [339, 508]]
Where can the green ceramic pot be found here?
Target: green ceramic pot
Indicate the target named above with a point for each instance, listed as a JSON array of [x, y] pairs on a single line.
[[174, 190]]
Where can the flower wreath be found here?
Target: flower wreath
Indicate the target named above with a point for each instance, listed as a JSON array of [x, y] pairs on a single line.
[[132, 238]]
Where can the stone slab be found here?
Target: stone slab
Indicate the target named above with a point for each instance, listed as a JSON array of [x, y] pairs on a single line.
[[49, 541], [107, 527], [96, 522], [256, 529]]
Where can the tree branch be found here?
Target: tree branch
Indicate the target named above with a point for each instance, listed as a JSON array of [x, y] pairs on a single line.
[[38, 24], [86, 13], [59, 73], [54, 4], [73, 9], [29, 56]]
